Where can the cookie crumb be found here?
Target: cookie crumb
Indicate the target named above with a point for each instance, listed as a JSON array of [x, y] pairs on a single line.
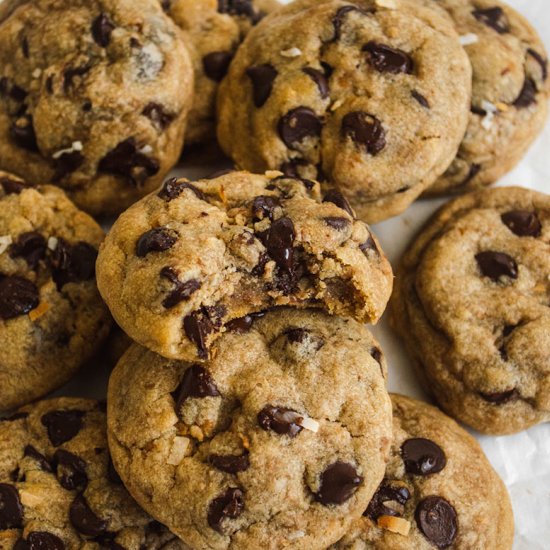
[[5, 241], [309, 424], [37, 312], [470, 38], [272, 174], [292, 52], [396, 525], [179, 450]]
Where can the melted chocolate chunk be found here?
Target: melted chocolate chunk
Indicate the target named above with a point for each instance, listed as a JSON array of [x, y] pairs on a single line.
[[22, 133], [173, 188], [365, 130], [155, 240], [338, 483], [336, 197], [72, 263], [67, 163], [31, 247], [420, 98], [387, 493], [494, 18], [299, 124], [13, 187], [197, 327], [280, 420], [320, 79], [264, 207], [18, 296], [31, 452], [158, 114], [84, 520], [338, 19], [216, 65], [527, 96], [541, 61], [102, 27], [228, 505], [196, 382], [340, 224], [388, 60], [279, 242], [231, 464], [243, 324], [182, 290], [127, 161], [422, 456], [523, 223], [71, 470], [40, 540], [437, 521], [62, 426], [11, 509], [262, 77], [499, 398], [496, 265]]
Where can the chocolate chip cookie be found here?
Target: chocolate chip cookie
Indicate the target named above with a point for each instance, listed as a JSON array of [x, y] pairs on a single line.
[[182, 263], [439, 490], [241, 452], [214, 29], [93, 97], [58, 487], [509, 97], [374, 99], [472, 304], [52, 318]]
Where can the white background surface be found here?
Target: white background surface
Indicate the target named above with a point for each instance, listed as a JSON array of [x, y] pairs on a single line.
[[523, 460]]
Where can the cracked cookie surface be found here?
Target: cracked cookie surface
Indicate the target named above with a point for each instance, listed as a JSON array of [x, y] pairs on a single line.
[[93, 96], [52, 318], [214, 29], [439, 490], [472, 304], [240, 452], [182, 263], [372, 99], [58, 487], [509, 95]]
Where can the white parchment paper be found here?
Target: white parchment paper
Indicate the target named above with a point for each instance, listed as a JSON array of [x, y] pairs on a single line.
[[522, 460]]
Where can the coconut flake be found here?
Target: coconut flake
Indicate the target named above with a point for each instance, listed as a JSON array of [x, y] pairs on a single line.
[[146, 150], [37, 73], [488, 106], [179, 448], [5, 241], [470, 38], [292, 52], [52, 243], [309, 424], [76, 146]]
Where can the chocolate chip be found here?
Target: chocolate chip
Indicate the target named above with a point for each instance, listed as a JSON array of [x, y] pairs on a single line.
[[422, 456], [243, 324], [22, 133], [437, 521], [420, 98], [304, 337], [18, 296], [474, 170], [262, 77], [228, 505], [387, 493], [84, 520], [67, 163], [158, 114], [40, 540], [388, 60], [376, 354], [102, 27], [182, 290], [320, 79], [71, 73], [173, 188], [72, 263], [365, 130], [155, 240], [299, 124], [496, 265], [280, 420], [166, 5], [527, 96], [338, 483], [13, 187], [197, 327], [279, 241], [336, 197], [73, 470], [216, 65], [338, 19], [11, 509], [340, 224], [25, 47], [62, 426], [494, 18], [499, 398], [231, 464], [196, 382], [31, 247], [17, 93], [264, 207], [541, 61], [43, 462], [523, 223], [127, 161]]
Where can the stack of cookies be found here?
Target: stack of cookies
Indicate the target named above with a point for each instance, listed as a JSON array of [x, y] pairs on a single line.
[[248, 408]]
